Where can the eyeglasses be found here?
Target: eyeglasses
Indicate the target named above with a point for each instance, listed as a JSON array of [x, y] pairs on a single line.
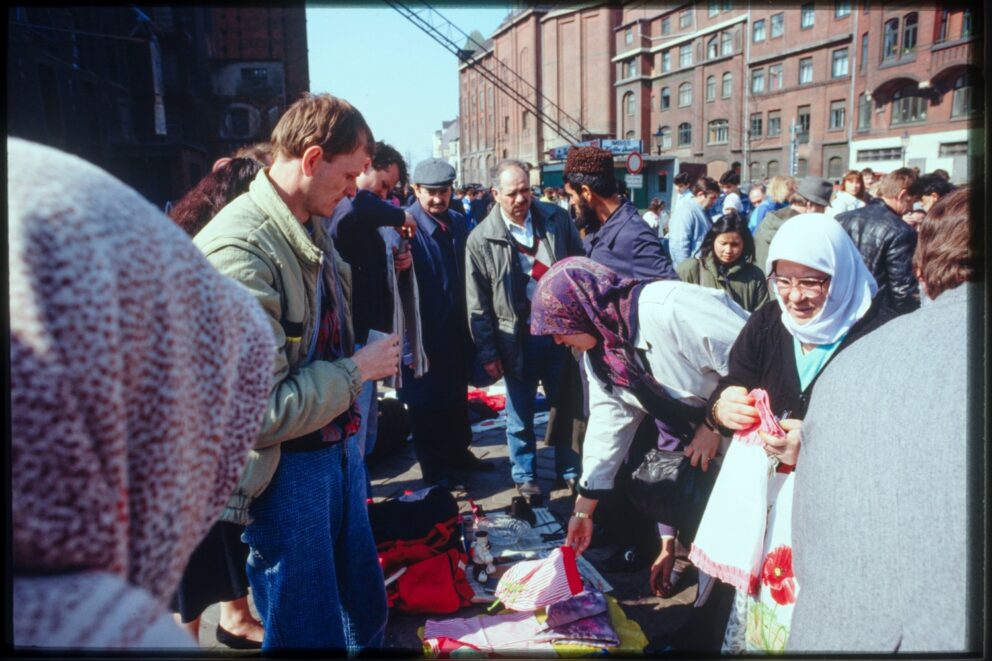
[[808, 287]]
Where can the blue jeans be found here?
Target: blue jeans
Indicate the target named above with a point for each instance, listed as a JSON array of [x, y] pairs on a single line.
[[368, 405], [543, 361], [313, 567]]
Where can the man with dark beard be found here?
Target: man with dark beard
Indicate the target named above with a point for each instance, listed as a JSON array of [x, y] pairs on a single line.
[[615, 235]]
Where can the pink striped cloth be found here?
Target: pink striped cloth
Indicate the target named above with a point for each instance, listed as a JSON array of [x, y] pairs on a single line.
[[506, 632], [533, 584], [728, 545]]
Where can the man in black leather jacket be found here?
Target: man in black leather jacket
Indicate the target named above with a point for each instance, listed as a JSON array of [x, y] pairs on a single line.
[[886, 242]]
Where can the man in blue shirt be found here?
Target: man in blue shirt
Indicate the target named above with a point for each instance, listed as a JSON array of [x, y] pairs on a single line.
[[689, 223]]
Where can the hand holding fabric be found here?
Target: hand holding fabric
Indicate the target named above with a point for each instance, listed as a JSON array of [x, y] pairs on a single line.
[[785, 448], [735, 409]]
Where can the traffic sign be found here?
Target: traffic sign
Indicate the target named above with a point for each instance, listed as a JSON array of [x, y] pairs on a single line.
[[634, 180], [635, 163]]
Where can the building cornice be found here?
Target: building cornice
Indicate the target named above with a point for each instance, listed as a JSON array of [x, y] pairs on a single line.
[[844, 37], [678, 41]]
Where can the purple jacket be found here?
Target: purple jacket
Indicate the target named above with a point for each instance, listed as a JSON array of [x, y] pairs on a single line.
[[628, 246]]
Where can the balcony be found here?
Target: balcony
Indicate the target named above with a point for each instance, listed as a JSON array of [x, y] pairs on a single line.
[[951, 53]]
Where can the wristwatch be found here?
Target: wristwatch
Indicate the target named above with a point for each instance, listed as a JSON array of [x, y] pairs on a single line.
[[582, 515]]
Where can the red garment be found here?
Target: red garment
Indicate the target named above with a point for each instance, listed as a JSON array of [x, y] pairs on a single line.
[[435, 585], [495, 402]]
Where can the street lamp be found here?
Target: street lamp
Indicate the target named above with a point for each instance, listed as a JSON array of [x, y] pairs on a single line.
[[657, 138], [905, 146]]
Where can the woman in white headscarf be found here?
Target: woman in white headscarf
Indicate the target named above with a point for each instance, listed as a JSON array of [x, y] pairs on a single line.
[[139, 376], [826, 302]]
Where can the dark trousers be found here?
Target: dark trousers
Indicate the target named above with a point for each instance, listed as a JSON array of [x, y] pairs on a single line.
[[441, 437]]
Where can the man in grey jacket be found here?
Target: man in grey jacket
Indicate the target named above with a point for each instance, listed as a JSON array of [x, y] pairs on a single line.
[[505, 257], [313, 568]]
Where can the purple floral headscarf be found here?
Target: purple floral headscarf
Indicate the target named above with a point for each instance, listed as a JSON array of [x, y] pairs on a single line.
[[578, 295]]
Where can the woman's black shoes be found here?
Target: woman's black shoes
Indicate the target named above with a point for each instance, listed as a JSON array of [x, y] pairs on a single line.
[[225, 637]]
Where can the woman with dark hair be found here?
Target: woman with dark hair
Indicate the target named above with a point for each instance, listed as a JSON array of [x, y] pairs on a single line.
[[213, 193], [726, 261], [216, 570]]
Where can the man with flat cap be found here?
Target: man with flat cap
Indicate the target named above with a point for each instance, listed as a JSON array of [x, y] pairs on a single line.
[[437, 401], [615, 234], [812, 196]]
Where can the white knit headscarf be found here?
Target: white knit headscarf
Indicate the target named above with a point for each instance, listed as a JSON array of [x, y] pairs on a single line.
[[819, 242], [139, 377]]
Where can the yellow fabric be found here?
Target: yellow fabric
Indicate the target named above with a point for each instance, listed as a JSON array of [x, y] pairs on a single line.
[[632, 639]]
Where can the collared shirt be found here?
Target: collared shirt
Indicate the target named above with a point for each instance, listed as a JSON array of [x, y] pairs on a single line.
[[524, 235]]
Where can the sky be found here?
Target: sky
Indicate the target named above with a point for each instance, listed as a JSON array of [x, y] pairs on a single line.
[[403, 82]]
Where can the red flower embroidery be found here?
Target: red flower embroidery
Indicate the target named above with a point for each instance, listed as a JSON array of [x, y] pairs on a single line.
[[777, 575]]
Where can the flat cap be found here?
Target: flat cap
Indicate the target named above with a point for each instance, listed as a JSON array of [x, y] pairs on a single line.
[[589, 160], [433, 172], [816, 190]]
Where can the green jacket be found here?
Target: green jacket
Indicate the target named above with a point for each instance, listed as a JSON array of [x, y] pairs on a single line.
[[744, 282], [257, 241], [766, 232]]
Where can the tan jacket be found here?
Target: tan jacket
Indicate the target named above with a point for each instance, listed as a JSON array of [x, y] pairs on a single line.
[[257, 241]]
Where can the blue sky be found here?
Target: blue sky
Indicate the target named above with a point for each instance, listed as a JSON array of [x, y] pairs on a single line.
[[404, 82]]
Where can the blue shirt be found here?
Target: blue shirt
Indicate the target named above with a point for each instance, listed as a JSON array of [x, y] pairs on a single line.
[[809, 364], [686, 230]]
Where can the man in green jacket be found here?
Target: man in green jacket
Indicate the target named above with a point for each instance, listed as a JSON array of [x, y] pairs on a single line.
[[313, 568]]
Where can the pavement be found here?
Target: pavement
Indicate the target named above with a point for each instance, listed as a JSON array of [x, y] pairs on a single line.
[[656, 616]]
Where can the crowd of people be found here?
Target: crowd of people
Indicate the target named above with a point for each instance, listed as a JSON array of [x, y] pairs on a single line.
[[155, 462]]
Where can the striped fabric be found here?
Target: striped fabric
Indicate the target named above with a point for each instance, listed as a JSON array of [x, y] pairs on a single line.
[[533, 584]]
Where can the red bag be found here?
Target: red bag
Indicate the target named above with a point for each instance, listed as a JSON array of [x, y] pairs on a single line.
[[435, 585]]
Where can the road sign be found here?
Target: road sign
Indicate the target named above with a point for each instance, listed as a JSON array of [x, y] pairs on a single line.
[[634, 180], [635, 162]]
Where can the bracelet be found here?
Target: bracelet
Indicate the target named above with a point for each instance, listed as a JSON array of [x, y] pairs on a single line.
[[712, 416], [582, 515]]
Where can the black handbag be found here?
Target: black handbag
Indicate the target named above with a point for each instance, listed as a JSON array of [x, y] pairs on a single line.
[[668, 489]]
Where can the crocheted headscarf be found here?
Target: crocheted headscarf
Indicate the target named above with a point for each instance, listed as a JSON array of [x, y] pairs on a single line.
[[139, 376]]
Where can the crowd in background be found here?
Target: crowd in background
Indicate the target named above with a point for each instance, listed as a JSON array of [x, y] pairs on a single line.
[[177, 435]]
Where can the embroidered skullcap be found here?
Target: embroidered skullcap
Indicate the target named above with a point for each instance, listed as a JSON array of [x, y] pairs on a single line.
[[589, 160], [139, 377]]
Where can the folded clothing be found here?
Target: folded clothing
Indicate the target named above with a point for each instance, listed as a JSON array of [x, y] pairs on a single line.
[[585, 604], [534, 584]]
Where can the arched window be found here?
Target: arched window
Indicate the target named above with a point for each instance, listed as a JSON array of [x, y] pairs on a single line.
[[908, 106], [909, 25], [628, 104], [711, 88], [802, 167], [890, 39], [771, 169], [685, 95], [725, 86], [726, 43], [666, 137], [719, 132], [835, 168], [964, 101], [754, 169], [711, 48], [629, 135], [666, 98], [685, 134]]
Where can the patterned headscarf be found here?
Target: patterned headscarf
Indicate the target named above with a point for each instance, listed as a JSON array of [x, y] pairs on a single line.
[[139, 377], [578, 295]]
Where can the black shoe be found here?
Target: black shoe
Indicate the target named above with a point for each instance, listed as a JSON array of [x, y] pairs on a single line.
[[629, 558], [529, 488], [469, 462], [225, 637], [449, 482]]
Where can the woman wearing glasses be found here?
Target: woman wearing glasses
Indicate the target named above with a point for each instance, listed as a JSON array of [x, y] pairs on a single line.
[[826, 302]]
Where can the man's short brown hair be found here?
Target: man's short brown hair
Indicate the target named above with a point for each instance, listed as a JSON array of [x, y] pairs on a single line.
[[945, 256], [321, 120], [895, 182]]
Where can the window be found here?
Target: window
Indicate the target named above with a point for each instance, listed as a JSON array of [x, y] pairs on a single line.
[[838, 64], [802, 167], [942, 26], [666, 25], [726, 43], [711, 88], [628, 104], [629, 135], [967, 27], [835, 168], [666, 98], [525, 121], [719, 132], [908, 106], [963, 102], [838, 117], [630, 69], [778, 25], [758, 30], [806, 16], [758, 81], [711, 48], [864, 113], [685, 95], [863, 64], [890, 39], [239, 122], [506, 124], [685, 55], [756, 125], [628, 36], [254, 73], [774, 123], [802, 124], [909, 26], [842, 8], [685, 18], [685, 134], [952, 149], [775, 77], [666, 61], [771, 170], [725, 85], [728, 5], [888, 154], [805, 71], [666, 137], [714, 8]]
